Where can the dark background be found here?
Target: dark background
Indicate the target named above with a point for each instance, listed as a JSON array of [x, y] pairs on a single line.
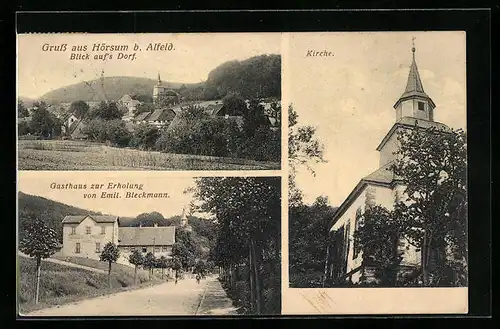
[[476, 23]]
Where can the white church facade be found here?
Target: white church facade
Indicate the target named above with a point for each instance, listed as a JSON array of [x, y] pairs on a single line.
[[382, 188]]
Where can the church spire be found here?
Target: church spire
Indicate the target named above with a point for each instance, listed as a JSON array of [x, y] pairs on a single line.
[[159, 80], [414, 102]]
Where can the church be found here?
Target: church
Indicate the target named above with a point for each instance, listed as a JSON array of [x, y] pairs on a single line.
[[382, 187]]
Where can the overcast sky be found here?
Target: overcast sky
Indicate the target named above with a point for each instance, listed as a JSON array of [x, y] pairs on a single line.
[[195, 55], [349, 96], [38, 183]]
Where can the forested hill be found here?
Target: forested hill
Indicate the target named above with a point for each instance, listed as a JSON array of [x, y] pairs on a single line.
[[51, 212], [256, 77], [111, 88]]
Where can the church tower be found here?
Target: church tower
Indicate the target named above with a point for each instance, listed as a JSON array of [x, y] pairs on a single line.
[[414, 102], [158, 89], [414, 107]]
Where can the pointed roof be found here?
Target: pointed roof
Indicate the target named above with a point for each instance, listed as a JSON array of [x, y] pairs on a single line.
[[414, 87]]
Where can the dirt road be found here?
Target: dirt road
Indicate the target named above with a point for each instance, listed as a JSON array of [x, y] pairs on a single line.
[[185, 298]]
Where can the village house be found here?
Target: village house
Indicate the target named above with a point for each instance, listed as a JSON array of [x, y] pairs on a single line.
[[130, 105], [86, 235], [73, 126], [382, 187]]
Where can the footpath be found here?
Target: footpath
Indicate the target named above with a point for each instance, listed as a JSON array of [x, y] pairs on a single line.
[[214, 300]]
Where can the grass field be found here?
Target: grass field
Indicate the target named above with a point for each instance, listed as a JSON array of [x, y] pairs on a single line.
[[83, 155], [60, 284]]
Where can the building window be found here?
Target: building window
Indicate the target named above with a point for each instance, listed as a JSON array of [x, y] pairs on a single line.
[[144, 249], [88, 230], [157, 249], [97, 247], [421, 106], [77, 248], [73, 230], [164, 248], [103, 229], [132, 248]]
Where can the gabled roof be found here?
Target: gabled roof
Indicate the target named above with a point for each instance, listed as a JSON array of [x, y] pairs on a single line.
[[213, 109], [162, 115], [98, 219], [380, 177], [146, 236], [142, 116]]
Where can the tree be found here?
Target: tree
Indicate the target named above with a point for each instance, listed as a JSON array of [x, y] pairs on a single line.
[[308, 240], [43, 122], [234, 104], [377, 235], [200, 267], [145, 136], [136, 259], [106, 111], [176, 265], [248, 216], [79, 108], [144, 98], [162, 263], [109, 254], [431, 164], [22, 111], [150, 219], [150, 263], [303, 148], [38, 241]]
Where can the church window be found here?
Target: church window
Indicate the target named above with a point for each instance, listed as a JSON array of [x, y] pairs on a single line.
[[421, 106]]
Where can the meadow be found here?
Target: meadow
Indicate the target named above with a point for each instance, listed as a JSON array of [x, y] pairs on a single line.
[[60, 284], [85, 155]]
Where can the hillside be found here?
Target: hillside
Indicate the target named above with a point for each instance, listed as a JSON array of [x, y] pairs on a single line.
[[255, 77], [112, 88], [52, 212]]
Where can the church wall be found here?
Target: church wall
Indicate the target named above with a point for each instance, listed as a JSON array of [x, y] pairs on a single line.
[[391, 146]]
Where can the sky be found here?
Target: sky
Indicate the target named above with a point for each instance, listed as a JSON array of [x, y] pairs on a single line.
[[349, 97], [39, 184], [193, 57]]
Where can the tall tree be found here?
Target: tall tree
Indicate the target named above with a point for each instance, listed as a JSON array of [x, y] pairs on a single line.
[[109, 254], [162, 263], [432, 165], [303, 151], [38, 241], [150, 263], [43, 122], [248, 215], [136, 259], [22, 111], [106, 111], [79, 108]]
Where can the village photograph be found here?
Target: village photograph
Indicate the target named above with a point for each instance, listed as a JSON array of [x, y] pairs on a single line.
[[186, 246], [378, 158], [149, 101]]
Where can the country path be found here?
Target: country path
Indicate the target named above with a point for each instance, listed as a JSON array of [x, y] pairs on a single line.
[[185, 298]]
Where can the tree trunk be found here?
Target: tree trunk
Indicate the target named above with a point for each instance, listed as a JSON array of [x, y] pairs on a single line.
[[150, 270], [424, 253], [256, 276], [326, 265], [38, 268], [109, 274], [162, 273], [135, 274], [252, 279]]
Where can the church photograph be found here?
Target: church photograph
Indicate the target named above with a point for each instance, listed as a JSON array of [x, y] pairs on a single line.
[[192, 105], [386, 203]]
